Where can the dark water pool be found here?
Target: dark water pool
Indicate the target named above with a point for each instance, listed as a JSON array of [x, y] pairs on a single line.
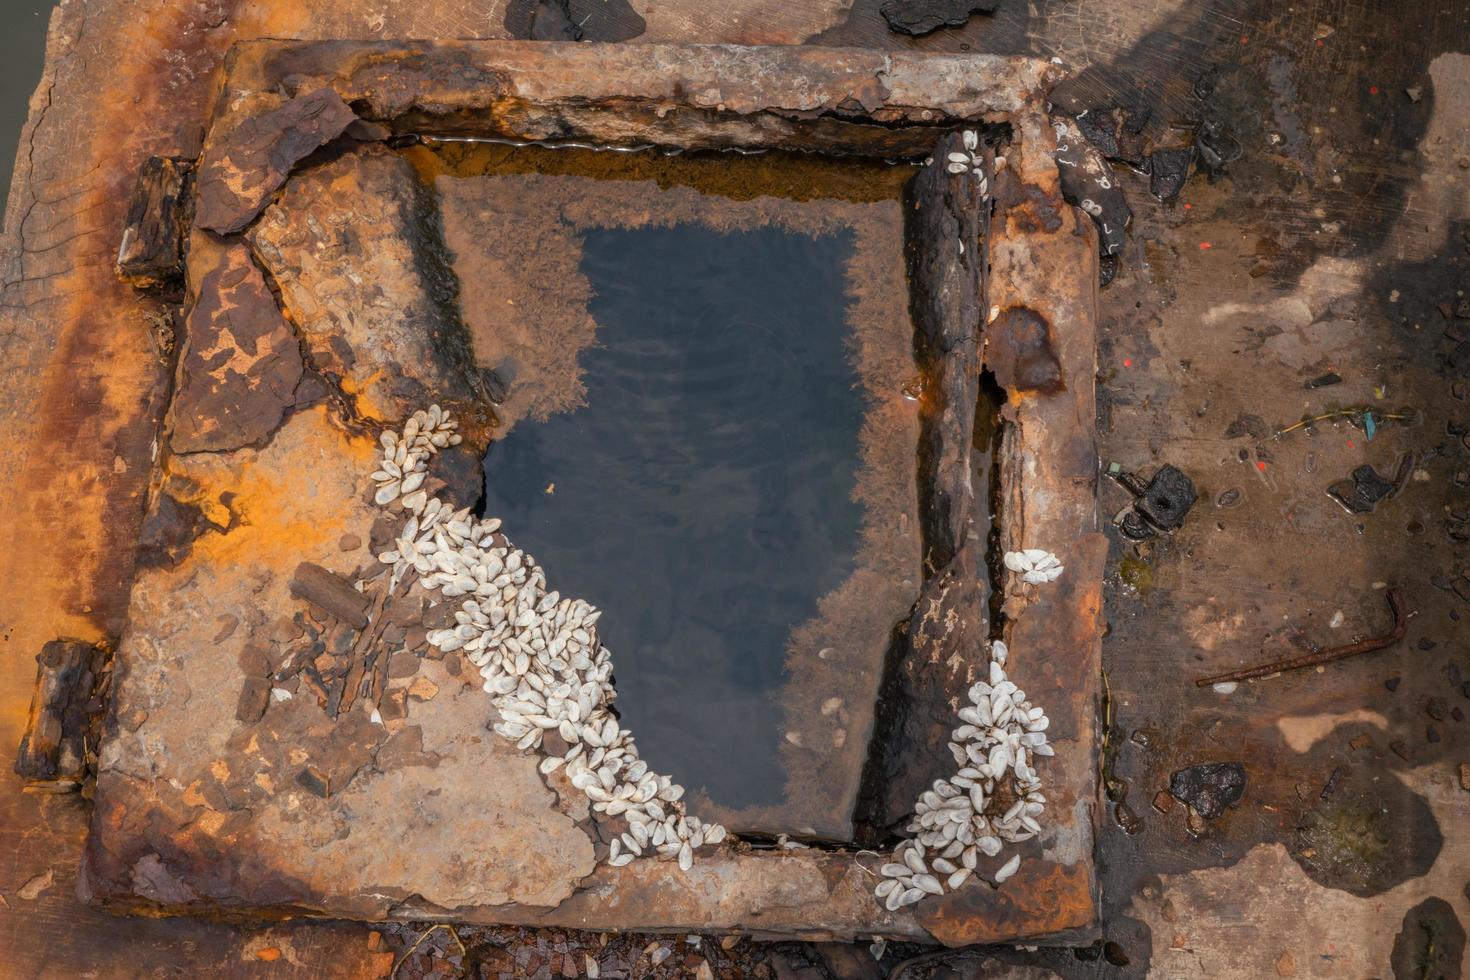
[[703, 496], [22, 51]]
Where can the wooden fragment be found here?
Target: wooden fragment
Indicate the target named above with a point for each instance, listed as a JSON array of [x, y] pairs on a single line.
[[935, 652], [331, 593], [54, 746], [944, 242], [151, 254], [255, 697]]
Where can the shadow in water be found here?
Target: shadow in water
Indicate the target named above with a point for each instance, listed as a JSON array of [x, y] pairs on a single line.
[[703, 495]]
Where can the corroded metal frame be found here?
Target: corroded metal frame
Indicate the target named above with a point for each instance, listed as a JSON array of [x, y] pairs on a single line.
[[1037, 337]]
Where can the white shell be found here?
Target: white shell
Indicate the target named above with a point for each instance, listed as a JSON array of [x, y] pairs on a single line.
[[1008, 869]]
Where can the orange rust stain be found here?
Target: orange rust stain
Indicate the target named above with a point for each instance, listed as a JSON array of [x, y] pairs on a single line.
[[191, 795], [1033, 904], [210, 822], [361, 394], [270, 954], [72, 515], [281, 510]]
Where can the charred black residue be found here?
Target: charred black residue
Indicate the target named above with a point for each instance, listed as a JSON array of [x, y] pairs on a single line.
[[919, 17], [990, 434], [1362, 491], [60, 741], [151, 255], [1210, 787]]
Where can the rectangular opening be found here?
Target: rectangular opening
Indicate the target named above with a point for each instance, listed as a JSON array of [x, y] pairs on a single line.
[[708, 431]]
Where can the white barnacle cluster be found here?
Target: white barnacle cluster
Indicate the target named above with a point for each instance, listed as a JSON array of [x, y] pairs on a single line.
[[405, 460], [1034, 565], [537, 652], [995, 796], [969, 159]]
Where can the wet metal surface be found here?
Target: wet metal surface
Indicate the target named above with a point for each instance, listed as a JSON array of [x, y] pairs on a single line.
[[704, 493]]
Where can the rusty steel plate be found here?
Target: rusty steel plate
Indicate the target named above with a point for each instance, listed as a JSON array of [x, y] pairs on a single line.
[[319, 309]]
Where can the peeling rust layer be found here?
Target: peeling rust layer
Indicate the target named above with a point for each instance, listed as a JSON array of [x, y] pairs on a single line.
[[245, 164], [355, 249], [240, 362], [210, 798], [834, 100]]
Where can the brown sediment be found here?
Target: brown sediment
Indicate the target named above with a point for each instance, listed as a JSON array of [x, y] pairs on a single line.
[[791, 176]]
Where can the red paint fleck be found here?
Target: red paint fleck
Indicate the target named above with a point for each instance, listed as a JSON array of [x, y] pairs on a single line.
[[1244, 39], [1127, 362], [1204, 246], [1261, 465], [1372, 89], [1188, 206], [1350, 444]]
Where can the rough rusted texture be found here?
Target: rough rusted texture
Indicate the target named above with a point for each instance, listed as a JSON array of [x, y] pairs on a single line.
[[1021, 350], [1047, 899], [240, 361], [152, 254], [354, 248], [85, 388], [688, 96], [938, 650], [1043, 257], [58, 739], [244, 164], [213, 797], [80, 378]]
